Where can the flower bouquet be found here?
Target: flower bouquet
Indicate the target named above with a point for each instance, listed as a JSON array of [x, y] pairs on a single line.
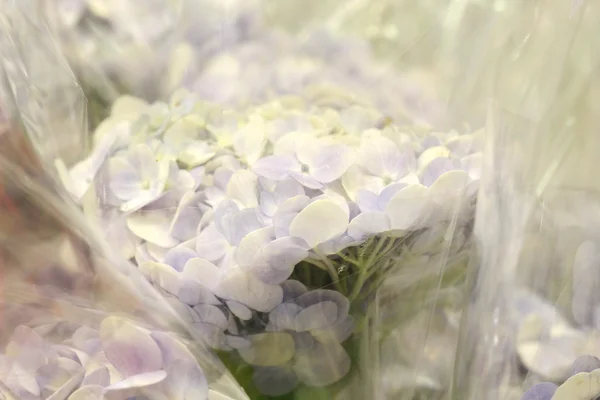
[[272, 229]]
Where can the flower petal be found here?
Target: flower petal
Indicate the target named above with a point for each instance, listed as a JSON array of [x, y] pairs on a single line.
[[130, 349], [317, 316], [284, 316], [356, 179], [322, 365], [249, 142], [203, 272], [322, 295], [138, 381], [152, 226], [318, 222], [210, 314], [193, 293], [269, 349], [186, 381], [368, 224], [211, 244], [187, 217], [91, 392], [292, 289], [330, 163], [275, 167], [162, 275], [243, 187], [178, 256], [306, 180], [248, 249], [580, 386], [239, 310], [246, 289], [125, 182], [409, 208]]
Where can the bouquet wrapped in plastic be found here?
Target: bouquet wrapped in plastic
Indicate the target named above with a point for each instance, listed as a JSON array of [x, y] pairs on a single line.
[[298, 209]]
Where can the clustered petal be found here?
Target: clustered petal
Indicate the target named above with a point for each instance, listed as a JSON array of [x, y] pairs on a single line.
[[225, 205], [119, 360]]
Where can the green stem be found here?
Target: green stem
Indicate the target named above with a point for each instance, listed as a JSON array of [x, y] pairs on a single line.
[[348, 259], [326, 265]]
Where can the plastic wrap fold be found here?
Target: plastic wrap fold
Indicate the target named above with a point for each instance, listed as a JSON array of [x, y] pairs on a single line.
[[533, 303], [77, 320]]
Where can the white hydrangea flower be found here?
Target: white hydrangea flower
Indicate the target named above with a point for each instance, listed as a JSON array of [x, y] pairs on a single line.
[[118, 360], [248, 197]]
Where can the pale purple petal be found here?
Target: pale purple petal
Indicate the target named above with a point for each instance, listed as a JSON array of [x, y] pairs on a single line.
[[141, 380], [211, 244], [367, 201], [212, 335], [100, 376], [130, 349], [368, 224], [242, 224], [243, 187], [178, 256], [193, 293], [321, 295], [316, 316], [437, 168], [172, 349], [203, 272], [90, 392], [388, 193], [287, 189], [380, 155], [125, 182], [269, 349], [60, 377], [322, 365], [210, 314], [409, 208], [187, 217], [292, 289], [246, 289], [239, 310], [320, 221], [152, 226], [185, 381], [249, 247], [337, 333], [331, 163], [306, 180], [286, 251], [284, 316]]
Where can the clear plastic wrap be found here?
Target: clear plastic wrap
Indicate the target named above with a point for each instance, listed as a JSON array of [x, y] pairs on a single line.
[[532, 312], [305, 202], [78, 321]]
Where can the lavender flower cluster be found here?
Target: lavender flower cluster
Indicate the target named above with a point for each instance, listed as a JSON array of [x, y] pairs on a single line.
[[222, 207], [119, 360], [583, 384]]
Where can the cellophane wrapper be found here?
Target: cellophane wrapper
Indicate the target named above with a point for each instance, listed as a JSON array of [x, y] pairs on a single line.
[[78, 321], [533, 307], [297, 179]]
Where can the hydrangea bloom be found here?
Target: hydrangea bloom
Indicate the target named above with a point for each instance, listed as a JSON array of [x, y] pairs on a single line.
[[119, 360], [228, 208], [583, 383]]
